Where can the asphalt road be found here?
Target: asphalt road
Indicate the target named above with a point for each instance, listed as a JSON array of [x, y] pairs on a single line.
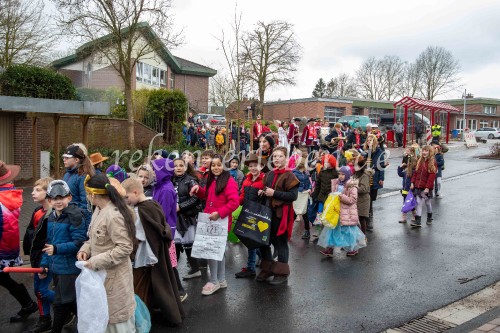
[[401, 275]]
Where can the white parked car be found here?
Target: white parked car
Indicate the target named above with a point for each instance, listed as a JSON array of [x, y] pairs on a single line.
[[487, 133]]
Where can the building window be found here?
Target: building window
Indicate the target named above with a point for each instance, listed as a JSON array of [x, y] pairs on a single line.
[[473, 124], [150, 75], [138, 71], [332, 114], [375, 114], [483, 123], [460, 123], [495, 123], [163, 77], [172, 80], [490, 109]]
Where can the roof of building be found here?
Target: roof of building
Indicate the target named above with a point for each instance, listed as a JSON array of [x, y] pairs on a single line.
[[475, 100], [311, 100], [425, 105], [178, 65]]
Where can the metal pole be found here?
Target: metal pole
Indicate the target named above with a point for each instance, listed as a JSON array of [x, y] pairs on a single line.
[[463, 122]]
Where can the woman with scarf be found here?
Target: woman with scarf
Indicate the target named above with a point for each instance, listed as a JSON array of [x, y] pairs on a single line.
[[347, 233], [280, 191]]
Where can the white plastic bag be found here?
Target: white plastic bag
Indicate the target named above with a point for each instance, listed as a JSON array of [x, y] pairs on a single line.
[[91, 300]]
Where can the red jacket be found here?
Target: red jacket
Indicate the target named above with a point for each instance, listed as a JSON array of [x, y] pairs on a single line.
[[422, 178], [257, 130], [309, 135], [258, 184], [293, 135], [225, 203]]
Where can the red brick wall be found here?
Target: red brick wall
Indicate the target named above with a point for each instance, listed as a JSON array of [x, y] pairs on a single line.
[[196, 90], [102, 132], [23, 146], [309, 109], [107, 77]]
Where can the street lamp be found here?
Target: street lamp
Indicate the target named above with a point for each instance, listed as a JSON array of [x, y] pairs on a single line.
[[465, 96]]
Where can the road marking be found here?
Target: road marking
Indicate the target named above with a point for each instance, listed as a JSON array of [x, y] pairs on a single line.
[[396, 192]]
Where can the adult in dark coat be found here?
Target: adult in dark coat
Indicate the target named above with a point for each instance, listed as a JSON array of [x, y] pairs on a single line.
[[156, 285]]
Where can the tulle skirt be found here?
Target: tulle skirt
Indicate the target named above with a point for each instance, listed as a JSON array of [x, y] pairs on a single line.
[[349, 237]]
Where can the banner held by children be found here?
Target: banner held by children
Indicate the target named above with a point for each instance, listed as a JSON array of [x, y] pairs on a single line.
[[211, 237]]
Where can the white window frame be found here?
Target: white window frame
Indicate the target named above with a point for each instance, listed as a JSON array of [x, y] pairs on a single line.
[[490, 109], [495, 123], [459, 123], [163, 77], [138, 71], [172, 80], [155, 76], [333, 113], [483, 123], [473, 124]]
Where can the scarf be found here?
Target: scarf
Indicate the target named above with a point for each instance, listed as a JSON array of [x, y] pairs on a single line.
[[286, 223]]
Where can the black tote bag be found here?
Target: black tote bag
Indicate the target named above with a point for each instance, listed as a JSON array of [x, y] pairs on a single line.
[[253, 227]]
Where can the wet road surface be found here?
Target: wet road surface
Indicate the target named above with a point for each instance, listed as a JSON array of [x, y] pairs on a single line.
[[402, 274]]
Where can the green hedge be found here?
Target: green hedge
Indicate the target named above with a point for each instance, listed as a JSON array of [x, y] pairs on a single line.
[[38, 82]]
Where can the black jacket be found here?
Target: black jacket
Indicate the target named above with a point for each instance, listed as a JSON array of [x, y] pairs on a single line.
[[34, 239], [189, 206], [324, 184]]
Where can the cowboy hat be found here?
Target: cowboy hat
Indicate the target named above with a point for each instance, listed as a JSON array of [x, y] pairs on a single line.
[[97, 158], [8, 172], [254, 158]]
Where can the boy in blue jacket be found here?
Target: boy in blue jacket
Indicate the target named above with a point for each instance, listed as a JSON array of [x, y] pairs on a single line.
[[66, 232]]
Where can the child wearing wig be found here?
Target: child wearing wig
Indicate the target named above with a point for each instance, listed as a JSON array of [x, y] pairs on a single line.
[[422, 182], [347, 233], [221, 196]]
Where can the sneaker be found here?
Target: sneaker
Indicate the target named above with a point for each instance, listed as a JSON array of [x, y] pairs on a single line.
[[244, 273], [192, 275], [306, 235], [210, 288], [328, 252], [71, 323], [416, 224], [183, 295], [24, 313], [352, 253], [223, 284], [43, 325]]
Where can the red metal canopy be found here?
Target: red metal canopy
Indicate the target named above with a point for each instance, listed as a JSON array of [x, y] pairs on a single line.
[[424, 105]]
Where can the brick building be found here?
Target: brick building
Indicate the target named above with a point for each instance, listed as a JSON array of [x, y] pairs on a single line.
[[479, 112], [326, 108], [157, 69]]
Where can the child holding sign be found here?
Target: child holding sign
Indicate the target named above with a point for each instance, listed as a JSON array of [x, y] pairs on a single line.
[[221, 195]]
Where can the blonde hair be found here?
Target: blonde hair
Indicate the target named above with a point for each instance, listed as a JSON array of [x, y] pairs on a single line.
[[431, 162], [131, 184], [43, 182], [374, 143]]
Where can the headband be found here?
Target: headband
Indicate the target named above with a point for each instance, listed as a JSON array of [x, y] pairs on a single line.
[[94, 190]]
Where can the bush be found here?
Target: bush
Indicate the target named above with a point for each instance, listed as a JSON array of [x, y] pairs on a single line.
[[170, 106], [37, 82]]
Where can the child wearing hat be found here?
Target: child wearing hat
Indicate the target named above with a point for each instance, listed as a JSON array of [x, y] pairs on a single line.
[[254, 181], [310, 136], [66, 233], [11, 200], [97, 161], [117, 172], [346, 234], [237, 174]]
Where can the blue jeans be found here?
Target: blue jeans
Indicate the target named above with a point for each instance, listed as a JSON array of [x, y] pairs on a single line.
[[252, 259], [44, 295]]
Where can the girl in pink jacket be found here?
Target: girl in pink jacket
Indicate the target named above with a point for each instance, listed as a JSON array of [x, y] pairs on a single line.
[[221, 196], [347, 233]]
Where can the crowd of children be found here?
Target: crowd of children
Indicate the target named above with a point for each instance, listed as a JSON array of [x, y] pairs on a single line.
[[136, 225]]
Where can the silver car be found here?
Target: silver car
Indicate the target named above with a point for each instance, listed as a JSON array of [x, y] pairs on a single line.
[[487, 133]]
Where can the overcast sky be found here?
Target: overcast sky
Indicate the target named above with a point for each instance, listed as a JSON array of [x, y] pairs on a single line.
[[336, 36]]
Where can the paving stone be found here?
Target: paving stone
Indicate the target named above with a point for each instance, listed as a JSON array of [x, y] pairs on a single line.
[[486, 327]]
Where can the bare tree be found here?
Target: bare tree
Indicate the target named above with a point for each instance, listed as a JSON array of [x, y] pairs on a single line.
[[222, 91], [439, 72], [391, 68], [232, 49], [270, 54], [341, 86], [26, 35], [127, 39], [410, 84], [369, 79]]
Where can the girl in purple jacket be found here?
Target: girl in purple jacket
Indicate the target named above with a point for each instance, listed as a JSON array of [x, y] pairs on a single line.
[[221, 195]]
